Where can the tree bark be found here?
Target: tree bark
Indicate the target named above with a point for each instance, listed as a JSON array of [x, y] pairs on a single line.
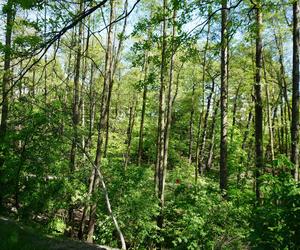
[[269, 118], [129, 134], [75, 111], [224, 101], [94, 180], [198, 143], [97, 171], [235, 104], [295, 95], [76, 95], [258, 100], [202, 141], [114, 65], [191, 125], [282, 78], [10, 13], [165, 111], [159, 167], [212, 138], [144, 102]]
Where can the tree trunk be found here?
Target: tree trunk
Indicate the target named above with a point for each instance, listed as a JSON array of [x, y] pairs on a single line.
[[75, 110], [114, 65], [235, 104], [246, 134], [165, 113], [202, 141], [224, 102], [212, 138], [10, 13], [258, 100], [282, 79], [198, 143], [129, 133], [144, 102], [94, 180], [295, 96], [269, 118], [45, 58], [159, 167], [99, 175], [191, 125]]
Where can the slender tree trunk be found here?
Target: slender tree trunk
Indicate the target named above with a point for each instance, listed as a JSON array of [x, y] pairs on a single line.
[[129, 133], [86, 141], [198, 143], [159, 173], [269, 118], [235, 104], [282, 130], [166, 113], [191, 125], [295, 96], [170, 102], [106, 197], [83, 85], [282, 78], [46, 57], [258, 99], [114, 65], [161, 110], [144, 102], [107, 119], [76, 96], [244, 144], [94, 180], [224, 96], [10, 13], [33, 90], [91, 107], [75, 110], [212, 138], [202, 143]]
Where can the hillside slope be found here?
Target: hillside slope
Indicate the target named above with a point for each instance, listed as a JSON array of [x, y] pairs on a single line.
[[18, 237]]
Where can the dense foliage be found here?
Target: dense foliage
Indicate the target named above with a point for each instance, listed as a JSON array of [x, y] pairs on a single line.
[[112, 114]]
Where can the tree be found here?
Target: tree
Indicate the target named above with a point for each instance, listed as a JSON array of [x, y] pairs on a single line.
[[224, 94], [295, 97], [94, 179], [258, 98], [160, 172], [9, 10], [76, 105]]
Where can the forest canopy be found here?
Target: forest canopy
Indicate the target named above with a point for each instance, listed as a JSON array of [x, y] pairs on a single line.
[[152, 124]]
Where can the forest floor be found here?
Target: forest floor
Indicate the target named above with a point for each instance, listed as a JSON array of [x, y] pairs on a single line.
[[14, 236]]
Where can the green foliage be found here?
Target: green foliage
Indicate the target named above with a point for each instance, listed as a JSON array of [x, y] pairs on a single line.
[[198, 218], [276, 220], [27, 42], [37, 182], [132, 195], [57, 225]]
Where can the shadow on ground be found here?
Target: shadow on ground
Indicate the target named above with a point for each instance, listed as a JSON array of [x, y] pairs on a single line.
[[18, 237]]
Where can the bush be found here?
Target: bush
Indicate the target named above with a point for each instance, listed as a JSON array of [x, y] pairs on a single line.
[[276, 221]]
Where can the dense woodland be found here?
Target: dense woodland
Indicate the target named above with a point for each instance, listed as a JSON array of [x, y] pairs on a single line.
[[142, 124]]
